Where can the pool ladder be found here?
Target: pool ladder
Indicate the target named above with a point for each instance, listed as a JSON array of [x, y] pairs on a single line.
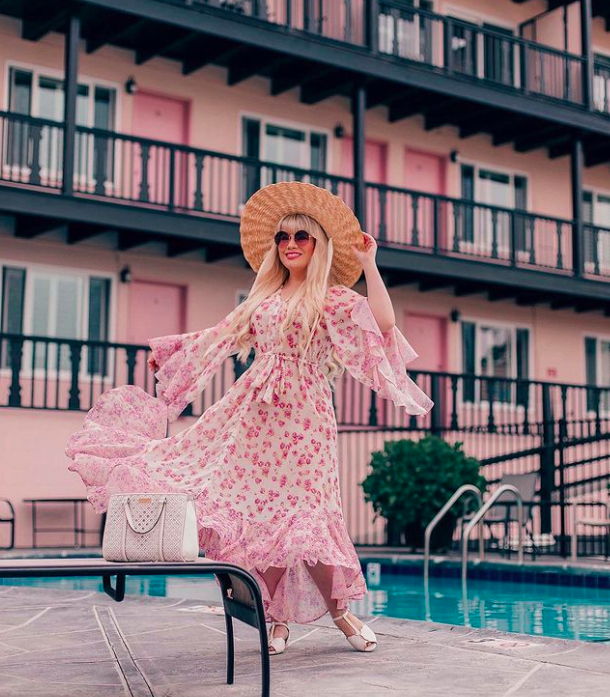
[[477, 519]]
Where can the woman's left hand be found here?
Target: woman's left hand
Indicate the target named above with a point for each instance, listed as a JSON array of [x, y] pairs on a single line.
[[366, 257]]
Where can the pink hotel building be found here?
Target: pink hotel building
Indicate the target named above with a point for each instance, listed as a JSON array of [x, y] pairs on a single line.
[[471, 137]]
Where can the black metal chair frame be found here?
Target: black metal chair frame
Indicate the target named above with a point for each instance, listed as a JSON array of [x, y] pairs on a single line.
[[251, 612], [10, 521]]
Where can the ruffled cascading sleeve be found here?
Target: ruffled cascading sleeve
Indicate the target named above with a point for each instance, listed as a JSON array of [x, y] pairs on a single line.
[[187, 362], [377, 360]]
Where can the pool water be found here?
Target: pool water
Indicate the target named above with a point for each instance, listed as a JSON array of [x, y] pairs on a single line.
[[525, 608]]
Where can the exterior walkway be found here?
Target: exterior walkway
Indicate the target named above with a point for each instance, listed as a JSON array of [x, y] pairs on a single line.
[[82, 644]]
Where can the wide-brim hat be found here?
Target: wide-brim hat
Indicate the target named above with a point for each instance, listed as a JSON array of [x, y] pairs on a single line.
[[265, 208]]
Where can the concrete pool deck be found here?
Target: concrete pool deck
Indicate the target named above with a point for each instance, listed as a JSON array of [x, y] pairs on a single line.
[[83, 644]]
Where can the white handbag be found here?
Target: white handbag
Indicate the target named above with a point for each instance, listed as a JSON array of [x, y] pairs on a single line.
[[151, 527]]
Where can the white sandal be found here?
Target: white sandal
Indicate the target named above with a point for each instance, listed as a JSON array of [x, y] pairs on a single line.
[[278, 644], [364, 639]]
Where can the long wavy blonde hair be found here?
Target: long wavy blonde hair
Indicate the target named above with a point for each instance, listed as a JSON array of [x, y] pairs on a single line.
[[305, 305]]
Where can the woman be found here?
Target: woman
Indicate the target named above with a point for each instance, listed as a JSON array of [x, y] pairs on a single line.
[[262, 461]]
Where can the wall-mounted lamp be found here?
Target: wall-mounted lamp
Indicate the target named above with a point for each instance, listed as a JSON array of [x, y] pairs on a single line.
[[131, 86], [125, 275], [455, 315], [454, 156], [339, 131]]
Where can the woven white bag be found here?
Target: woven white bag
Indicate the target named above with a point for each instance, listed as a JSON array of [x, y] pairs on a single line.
[[151, 527]]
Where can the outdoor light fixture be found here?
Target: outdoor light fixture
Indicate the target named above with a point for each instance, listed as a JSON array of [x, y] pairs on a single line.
[[454, 156], [131, 86], [125, 274], [455, 315], [339, 130]]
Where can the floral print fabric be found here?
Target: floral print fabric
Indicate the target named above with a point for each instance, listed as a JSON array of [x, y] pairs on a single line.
[[262, 461]]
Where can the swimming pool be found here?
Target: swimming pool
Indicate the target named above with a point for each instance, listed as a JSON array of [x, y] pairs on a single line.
[[567, 612]]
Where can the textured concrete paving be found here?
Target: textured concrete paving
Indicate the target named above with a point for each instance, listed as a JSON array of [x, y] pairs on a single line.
[[82, 644]]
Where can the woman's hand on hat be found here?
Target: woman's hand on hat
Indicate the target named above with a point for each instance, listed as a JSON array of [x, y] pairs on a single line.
[[366, 257]]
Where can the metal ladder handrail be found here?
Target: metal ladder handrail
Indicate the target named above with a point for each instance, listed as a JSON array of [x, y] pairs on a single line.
[[457, 495], [478, 517]]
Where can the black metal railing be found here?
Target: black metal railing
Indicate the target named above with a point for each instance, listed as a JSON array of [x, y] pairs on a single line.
[[451, 226], [441, 43], [465, 49], [170, 177]]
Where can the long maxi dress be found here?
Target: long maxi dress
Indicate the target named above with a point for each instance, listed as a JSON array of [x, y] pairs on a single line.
[[262, 461]]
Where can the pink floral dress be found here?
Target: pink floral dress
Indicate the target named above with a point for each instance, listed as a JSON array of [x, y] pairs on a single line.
[[262, 461]]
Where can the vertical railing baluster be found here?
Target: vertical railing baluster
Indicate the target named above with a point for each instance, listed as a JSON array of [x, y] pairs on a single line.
[[100, 150], [491, 419], [494, 233], [415, 228], [16, 357], [172, 178], [35, 139], [75, 361], [454, 403], [131, 358], [198, 199], [559, 231], [436, 225], [383, 202], [144, 194]]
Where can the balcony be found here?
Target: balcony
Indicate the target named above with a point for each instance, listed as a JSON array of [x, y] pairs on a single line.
[[152, 190], [405, 58]]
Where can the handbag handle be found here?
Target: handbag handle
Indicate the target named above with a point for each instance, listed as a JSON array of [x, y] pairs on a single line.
[[130, 518]]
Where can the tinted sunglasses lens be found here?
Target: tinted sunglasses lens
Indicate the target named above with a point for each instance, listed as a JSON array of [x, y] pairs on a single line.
[[301, 237], [281, 238]]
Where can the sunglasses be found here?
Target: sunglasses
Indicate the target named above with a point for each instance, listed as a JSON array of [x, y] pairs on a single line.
[[301, 238]]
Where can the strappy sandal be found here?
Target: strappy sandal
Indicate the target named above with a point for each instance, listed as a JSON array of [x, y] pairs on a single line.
[[278, 644], [364, 639]]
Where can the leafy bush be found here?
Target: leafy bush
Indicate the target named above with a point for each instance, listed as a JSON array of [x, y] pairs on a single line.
[[410, 481]]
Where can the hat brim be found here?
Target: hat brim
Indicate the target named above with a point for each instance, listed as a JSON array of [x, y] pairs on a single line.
[[265, 208]]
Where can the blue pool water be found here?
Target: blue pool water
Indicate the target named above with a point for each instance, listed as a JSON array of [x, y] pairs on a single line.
[[526, 608]]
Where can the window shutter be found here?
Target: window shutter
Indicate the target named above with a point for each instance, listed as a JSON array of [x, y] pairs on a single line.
[[520, 220], [523, 367], [468, 359], [11, 310], [99, 306], [466, 232], [591, 372], [251, 137]]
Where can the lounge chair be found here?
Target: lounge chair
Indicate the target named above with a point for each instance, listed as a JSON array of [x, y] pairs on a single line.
[[241, 594]]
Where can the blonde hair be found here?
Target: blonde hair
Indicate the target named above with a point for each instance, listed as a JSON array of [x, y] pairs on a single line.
[[306, 304]]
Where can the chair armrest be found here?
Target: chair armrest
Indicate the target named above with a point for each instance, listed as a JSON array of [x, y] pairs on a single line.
[[11, 509]]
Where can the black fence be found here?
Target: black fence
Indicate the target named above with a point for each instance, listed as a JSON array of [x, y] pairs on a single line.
[[487, 54]]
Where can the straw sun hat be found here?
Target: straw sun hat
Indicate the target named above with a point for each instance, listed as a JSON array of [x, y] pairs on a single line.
[[264, 210]]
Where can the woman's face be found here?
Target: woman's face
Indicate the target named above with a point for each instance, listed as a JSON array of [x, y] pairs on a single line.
[[296, 252]]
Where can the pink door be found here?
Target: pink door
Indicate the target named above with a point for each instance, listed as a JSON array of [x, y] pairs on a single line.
[[428, 336], [424, 172], [166, 119], [155, 309], [375, 172]]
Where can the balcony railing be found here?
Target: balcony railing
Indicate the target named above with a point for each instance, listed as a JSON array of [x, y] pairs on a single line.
[[441, 43], [158, 175]]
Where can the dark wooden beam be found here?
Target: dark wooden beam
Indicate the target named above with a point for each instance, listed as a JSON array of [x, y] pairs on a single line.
[[540, 137], [248, 64], [560, 149], [528, 299], [221, 251], [429, 284], [597, 155], [129, 240], [405, 107], [378, 94], [589, 307], [315, 91], [27, 227], [78, 232], [561, 303], [114, 32], [292, 75], [514, 128], [441, 114], [178, 39], [42, 18], [500, 294], [176, 247], [463, 289], [211, 54]]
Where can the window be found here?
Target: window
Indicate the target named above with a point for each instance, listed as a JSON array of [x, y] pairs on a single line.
[[495, 351], [292, 147], [483, 229], [596, 218], [597, 371], [405, 32], [42, 96], [49, 303], [601, 83]]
